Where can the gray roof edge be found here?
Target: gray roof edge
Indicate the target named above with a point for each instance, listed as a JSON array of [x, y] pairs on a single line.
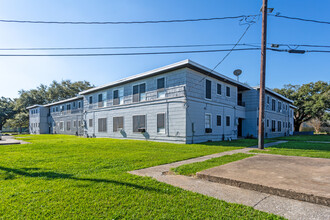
[[275, 93], [160, 69], [63, 101], [34, 106]]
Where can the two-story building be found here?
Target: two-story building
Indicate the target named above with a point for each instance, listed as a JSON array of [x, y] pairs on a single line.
[[183, 102]]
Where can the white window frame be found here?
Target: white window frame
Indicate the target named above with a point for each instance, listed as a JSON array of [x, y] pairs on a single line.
[[145, 93], [165, 86], [210, 120], [159, 132]]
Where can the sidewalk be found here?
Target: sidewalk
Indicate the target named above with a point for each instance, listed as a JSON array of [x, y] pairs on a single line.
[[288, 208], [9, 140]]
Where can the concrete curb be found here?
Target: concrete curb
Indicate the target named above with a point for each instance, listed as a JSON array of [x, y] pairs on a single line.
[[266, 189]]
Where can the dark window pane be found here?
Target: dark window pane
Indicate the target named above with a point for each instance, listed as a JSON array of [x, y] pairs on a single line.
[[219, 89], [138, 122], [100, 98], [161, 83], [218, 120], [90, 122], [227, 91], [227, 121], [135, 89], [142, 88], [118, 123], [160, 122], [208, 89]]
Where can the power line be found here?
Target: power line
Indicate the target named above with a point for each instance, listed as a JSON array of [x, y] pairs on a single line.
[[125, 22], [157, 46], [126, 47], [301, 19], [124, 54]]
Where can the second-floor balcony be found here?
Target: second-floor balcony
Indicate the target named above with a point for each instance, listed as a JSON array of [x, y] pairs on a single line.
[[240, 103], [172, 92], [67, 112]]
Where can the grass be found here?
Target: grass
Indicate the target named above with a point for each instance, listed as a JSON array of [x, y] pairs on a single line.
[[193, 168], [305, 138], [299, 148], [68, 177]]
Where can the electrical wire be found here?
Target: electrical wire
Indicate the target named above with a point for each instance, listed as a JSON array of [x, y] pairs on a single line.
[[125, 22], [124, 54], [126, 47], [300, 19]]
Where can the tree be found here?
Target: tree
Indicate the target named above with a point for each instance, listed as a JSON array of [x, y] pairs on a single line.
[[6, 110], [312, 101], [43, 94], [21, 120]]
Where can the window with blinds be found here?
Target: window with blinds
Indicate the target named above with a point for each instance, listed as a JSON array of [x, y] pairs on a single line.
[[118, 123], [161, 123], [139, 123], [102, 125]]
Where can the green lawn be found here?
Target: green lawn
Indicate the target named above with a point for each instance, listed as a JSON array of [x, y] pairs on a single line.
[[65, 177], [306, 138], [299, 148], [193, 168]]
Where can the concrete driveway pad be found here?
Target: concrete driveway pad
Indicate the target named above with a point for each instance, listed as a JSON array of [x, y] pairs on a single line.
[[301, 178]]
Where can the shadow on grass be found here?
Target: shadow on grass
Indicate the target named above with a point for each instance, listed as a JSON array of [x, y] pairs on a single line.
[[54, 175]]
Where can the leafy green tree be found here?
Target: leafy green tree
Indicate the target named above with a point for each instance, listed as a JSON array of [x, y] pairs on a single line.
[[6, 110], [43, 94], [20, 120], [312, 101]]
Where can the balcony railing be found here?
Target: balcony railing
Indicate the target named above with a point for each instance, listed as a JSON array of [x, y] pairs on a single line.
[[67, 112], [171, 92]]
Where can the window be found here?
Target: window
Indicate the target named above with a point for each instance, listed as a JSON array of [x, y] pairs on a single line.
[[90, 100], [208, 121], [268, 100], [279, 106], [74, 124], [61, 126], [218, 120], [90, 123], [208, 88], [73, 104], [102, 125], [68, 107], [273, 105], [227, 120], [79, 123], [57, 108], [273, 126], [100, 100], [139, 123], [118, 123], [62, 108], [228, 91], [279, 126], [79, 104], [161, 88], [267, 123], [139, 92], [219, 89], [118, 96], [68, 125], [161, 123]]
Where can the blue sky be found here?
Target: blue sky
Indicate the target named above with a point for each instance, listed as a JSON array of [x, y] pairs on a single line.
[[282, 68]]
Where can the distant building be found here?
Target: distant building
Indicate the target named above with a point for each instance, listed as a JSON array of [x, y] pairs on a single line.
[[183, 102]]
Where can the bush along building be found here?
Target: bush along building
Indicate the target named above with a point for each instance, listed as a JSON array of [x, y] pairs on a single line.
[[182, 102]]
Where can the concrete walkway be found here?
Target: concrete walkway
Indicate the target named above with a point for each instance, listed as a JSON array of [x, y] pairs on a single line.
[[9, 140], [288, 208]]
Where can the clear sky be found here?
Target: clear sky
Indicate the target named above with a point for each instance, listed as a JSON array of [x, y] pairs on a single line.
[[282, 68]]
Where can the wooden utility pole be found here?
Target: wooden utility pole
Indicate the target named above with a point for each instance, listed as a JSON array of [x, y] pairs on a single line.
[[261, 131]]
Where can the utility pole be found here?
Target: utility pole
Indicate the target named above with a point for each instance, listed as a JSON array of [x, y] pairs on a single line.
[[261, 130]]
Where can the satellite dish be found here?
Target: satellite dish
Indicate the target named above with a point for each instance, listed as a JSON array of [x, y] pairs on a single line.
[[237, 73]]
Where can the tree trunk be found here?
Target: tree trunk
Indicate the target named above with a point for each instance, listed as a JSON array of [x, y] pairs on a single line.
[[297, 126]]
